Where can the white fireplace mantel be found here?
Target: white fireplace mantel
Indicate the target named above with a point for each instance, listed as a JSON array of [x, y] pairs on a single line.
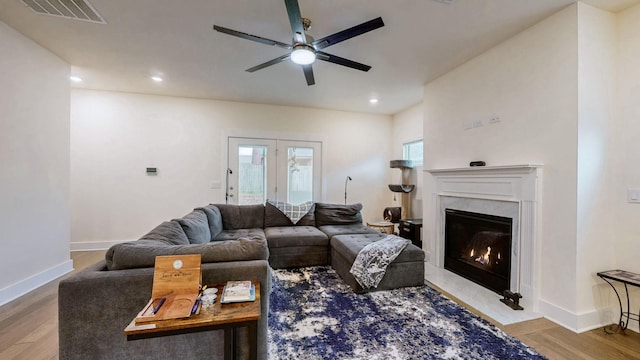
[[513, 182], [485, 168], [515, 189]]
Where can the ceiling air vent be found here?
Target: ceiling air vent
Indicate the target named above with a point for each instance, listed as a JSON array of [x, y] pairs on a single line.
[[70, 9]]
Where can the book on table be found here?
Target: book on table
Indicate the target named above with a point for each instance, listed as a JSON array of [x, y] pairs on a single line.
[[238, 291]]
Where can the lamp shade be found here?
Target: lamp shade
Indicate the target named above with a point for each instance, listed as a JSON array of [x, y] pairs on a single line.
[[303, 55]]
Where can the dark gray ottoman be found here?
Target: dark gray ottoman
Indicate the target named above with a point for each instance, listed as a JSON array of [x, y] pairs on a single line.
[[295, 246], [406, 270], [333, 230]]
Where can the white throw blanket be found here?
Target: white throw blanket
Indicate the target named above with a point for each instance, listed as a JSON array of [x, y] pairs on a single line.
[[372, 261]]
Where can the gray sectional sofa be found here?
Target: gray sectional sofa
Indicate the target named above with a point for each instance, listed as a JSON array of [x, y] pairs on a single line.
[[236, 243]]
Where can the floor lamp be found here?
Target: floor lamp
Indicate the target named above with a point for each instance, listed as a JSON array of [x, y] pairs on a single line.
[[346, 181]]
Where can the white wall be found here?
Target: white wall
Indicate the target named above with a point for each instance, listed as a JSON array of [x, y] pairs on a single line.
[[115, 136], [34, 165], [626, 236], [596, 194], [530, 83], [627, 151], [407, 127]]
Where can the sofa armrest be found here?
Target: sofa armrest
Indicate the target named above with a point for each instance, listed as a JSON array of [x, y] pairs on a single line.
[[95, 305]]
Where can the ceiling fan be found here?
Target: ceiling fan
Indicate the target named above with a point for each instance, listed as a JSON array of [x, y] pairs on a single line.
[[304, 49]]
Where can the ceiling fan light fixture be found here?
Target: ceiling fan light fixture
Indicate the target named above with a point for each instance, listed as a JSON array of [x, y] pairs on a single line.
[[303, 54]]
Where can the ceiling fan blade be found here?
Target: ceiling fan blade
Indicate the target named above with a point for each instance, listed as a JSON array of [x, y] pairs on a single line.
[[342, 61], [308, 74], [252, 37], [348, 33], [293, 10], [269, 63]]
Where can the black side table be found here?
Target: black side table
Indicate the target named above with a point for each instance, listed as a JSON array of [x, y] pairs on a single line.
[[627, 278], [410, 229]]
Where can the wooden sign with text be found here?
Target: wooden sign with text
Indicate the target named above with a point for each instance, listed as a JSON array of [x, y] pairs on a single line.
[[176, 284]]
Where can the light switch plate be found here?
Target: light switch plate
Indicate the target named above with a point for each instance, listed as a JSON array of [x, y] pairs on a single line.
[[633, 195]]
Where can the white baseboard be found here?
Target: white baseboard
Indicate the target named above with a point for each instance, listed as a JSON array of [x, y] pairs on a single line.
[[581, 322], [94, 245], [33, 282]]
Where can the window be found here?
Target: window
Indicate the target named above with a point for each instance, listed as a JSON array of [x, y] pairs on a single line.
[[284, 170], [413, 151]]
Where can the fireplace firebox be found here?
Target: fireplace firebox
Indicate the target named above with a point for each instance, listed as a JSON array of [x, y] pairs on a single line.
[[478, 247]]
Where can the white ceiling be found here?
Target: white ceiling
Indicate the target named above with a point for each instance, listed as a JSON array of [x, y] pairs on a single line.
[[421, 40]]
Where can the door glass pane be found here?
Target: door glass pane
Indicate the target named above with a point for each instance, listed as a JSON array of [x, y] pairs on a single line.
[[300, 175], [252, 174]]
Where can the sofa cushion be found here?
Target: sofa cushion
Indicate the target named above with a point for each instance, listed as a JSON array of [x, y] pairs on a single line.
[[241, 216], [336, 214], [142, 253], [169, 231], [333, 230], [293, 236], [274, 217], [240, 233], [214, 218], [196, 226]]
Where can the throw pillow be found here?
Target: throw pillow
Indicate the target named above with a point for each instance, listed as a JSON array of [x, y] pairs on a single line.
[[196, 226], [309, 219], [215, 219], [293, 212], [274, 217], [241, 216], [336, 214]]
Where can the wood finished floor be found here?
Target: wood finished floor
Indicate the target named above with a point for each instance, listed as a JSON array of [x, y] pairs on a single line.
[[29, 329]]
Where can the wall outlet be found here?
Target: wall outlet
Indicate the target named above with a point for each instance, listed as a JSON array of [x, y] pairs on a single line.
[[494, 120], [216, 185], [467, 125]]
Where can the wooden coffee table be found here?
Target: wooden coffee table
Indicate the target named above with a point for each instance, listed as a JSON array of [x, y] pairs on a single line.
[[211, 317]]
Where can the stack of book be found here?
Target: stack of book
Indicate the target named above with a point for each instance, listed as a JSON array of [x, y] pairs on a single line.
[[238, 291]]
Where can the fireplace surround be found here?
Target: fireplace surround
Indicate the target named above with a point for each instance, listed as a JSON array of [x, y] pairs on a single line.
[[511, 192]]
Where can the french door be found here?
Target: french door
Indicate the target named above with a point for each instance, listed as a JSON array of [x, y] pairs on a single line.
[[284, 170]]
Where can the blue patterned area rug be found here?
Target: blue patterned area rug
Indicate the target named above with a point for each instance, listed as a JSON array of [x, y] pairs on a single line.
[[315, 315]]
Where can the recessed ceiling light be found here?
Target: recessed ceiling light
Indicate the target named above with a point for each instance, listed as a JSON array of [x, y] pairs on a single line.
[[75, 78], [373, 101], [157, 78]]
